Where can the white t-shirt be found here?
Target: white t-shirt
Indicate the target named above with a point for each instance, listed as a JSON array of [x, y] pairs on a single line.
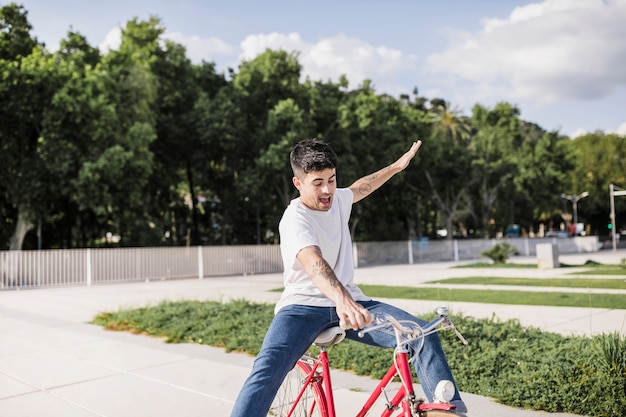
[[301, 227]]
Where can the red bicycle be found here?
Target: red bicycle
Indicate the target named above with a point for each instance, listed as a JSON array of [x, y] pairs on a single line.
[[307, 390]]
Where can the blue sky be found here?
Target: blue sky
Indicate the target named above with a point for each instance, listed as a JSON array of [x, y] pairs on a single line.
[[562, 62]]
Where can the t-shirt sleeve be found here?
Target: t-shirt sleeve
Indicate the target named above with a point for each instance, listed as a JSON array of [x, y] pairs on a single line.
[[347, 197], [295, 235]]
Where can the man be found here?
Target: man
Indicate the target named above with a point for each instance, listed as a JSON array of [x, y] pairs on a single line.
[[316, 248]]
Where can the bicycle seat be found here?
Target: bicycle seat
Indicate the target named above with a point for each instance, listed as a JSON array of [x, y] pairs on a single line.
[[329, 337]]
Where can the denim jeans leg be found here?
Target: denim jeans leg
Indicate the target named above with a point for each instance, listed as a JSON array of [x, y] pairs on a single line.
[[431, 364], [293, 330]]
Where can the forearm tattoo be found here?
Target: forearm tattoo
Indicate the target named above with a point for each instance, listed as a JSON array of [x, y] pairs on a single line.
[[365, 187], [321, 269]]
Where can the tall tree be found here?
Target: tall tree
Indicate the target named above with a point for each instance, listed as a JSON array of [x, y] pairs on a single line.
[[178, 150], [600, 161], [16, 40], [77, 128], [261, 87], [494, 148], [544, 171], [28, 78], [374, 131], [116, 180], [448, 163]]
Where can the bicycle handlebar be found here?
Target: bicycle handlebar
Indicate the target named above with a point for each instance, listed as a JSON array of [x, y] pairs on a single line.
[[412, 330]]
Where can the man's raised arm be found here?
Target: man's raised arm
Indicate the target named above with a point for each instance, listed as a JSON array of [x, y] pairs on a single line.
[[363, 187]]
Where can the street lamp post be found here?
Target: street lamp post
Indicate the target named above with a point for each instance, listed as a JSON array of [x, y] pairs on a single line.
[[574, 199], [613, 193]]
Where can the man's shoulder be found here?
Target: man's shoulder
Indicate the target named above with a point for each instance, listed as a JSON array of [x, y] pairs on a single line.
[[292, 212], [344, 193]]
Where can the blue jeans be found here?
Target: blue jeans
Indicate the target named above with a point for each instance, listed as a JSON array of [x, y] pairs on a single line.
[[294, 329]]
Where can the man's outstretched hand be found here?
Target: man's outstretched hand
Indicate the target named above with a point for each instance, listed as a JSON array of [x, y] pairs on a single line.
[[405, 159]]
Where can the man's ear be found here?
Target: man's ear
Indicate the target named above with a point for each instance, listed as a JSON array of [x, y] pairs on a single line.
[[296, 182]]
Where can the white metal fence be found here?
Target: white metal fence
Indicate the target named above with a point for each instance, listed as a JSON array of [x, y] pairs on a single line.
[[64, 267]]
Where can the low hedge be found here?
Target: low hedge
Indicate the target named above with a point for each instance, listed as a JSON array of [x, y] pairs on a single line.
[[517, 366]]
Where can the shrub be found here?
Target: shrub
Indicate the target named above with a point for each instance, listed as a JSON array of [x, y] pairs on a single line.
[[518, 366], [500, 252]]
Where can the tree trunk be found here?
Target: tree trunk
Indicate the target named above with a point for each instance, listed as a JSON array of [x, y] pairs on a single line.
[[193, 238], [24, 225]]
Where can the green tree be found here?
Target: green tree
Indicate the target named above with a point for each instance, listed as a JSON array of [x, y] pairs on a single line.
[[114, 182], [28, 77], [495, 158], [16, 40], [275, 108], [546, 165], [221, 126], [447, 164], [374, 130], [76, 129], [178, 150], [600, 161]]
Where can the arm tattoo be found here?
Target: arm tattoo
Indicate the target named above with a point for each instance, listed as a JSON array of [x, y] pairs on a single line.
[[323, 270], [365, 189]]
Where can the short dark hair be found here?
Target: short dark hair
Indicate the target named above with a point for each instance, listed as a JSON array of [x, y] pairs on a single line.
[[311, 155]]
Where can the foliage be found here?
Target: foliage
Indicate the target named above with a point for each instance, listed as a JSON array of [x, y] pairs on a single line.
[[520, 367], [600, 161], [236, 326], [500, 252], [143, 144]]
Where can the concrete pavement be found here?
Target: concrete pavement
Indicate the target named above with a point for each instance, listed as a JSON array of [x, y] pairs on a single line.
[[54, 364]]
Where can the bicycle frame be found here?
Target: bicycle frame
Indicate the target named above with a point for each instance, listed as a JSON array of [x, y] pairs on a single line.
[[326, 399]]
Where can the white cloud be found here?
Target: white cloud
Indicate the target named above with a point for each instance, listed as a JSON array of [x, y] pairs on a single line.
[[198, 48], [326, 59], [112, 40], [331, 57], [577, 132], [543, 52], [621, 129]]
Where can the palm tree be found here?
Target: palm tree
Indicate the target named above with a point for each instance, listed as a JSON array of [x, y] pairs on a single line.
[[450, 122], [451, 132]]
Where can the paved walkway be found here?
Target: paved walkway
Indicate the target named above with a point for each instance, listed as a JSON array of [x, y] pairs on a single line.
[[54, 364]]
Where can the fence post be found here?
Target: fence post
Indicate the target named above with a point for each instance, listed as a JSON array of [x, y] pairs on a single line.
[[200, 263], [355, 255], [39, 268], [455, 244], [410, 246], [88, 266]]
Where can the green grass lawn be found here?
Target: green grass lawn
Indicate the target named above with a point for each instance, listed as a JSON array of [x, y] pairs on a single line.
[[604, 270], [608, 283], [493, 265], [593, 268], [546, 298]]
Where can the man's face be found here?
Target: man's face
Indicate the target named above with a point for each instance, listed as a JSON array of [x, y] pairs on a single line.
[[317, 189]]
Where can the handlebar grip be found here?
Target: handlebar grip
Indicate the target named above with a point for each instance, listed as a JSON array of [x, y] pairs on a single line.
[[345, 325]]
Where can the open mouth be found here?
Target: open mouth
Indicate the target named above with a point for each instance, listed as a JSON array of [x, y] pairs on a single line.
[[325, 201]]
